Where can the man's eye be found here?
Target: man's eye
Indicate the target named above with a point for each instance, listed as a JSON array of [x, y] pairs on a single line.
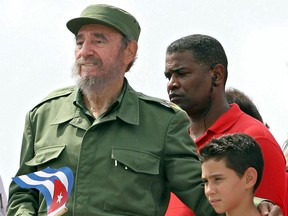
[[167, 76], [181, 73], [99, 41], [79, 43]]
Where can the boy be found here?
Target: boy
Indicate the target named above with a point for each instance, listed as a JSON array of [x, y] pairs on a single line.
[[232, 167]]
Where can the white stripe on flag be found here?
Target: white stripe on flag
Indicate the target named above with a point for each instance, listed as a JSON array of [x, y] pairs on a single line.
[[48, 184], [59, 174]]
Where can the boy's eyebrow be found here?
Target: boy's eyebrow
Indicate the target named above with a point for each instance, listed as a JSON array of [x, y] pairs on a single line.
[[214, 175]]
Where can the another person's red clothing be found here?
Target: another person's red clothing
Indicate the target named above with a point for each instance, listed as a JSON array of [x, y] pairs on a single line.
[[286, 211], [177, 208], [273, 183]]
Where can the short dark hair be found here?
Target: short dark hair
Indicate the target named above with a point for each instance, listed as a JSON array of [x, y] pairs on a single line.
[[240, 151], [206, 50]]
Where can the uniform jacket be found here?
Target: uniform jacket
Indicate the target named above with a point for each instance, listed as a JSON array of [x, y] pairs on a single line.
[[125, 163]]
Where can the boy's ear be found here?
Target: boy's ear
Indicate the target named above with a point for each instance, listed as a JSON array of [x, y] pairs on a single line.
[[250, 177]]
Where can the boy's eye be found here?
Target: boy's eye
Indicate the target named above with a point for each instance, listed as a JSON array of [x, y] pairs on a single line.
[[217, 180], [204, 182]]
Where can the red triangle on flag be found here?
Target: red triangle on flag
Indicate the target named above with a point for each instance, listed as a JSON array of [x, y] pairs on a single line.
[[60, 196]]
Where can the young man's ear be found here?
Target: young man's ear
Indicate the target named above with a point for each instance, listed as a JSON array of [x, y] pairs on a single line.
[[218, 74], [250, 177]]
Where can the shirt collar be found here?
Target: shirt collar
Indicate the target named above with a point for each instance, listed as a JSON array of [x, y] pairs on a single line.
[[227, 119]]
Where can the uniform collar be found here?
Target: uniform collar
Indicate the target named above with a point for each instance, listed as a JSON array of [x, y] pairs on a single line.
[[126, 108]]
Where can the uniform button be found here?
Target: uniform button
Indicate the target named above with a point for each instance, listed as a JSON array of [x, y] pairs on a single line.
[[78, 120]]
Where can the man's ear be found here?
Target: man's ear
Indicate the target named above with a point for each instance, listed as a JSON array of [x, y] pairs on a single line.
[[218, 74], [130, 51], [250, 177]]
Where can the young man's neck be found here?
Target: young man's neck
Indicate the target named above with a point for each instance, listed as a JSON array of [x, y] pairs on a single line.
[[200, 123]]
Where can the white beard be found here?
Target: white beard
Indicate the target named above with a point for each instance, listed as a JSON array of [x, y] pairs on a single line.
[[97, 83]]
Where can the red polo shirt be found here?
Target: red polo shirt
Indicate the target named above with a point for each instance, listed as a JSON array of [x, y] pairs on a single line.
[[273, 183]]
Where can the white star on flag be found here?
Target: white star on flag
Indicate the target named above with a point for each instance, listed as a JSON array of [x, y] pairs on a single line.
[[55, 184], [59, 197]]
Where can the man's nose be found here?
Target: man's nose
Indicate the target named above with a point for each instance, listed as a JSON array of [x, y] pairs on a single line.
[[86, 50], [172, 83]]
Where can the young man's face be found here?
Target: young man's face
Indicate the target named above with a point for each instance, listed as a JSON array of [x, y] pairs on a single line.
[[189, 83], [224, 189]]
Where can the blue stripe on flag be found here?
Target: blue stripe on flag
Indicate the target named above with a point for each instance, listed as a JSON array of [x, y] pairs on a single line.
[[43, 189], [49, 180]]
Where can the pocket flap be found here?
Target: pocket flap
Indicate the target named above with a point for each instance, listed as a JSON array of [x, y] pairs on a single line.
[[138, 161], [45, 154]]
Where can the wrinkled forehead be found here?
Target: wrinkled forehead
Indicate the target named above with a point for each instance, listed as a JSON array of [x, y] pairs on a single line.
[[97, 28]]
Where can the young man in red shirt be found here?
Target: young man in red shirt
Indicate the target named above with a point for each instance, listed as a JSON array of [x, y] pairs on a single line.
[[196, 69]]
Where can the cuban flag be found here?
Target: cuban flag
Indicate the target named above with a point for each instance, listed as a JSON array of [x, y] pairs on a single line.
[[55, 184]]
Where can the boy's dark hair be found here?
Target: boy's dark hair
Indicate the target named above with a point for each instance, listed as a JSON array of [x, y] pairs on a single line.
[[240, 151]]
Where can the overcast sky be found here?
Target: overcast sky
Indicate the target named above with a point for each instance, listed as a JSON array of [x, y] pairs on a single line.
[[36, 54]]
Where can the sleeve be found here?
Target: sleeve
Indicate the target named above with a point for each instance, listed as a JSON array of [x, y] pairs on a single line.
[[274, 174], [24, 201], [183, 168]]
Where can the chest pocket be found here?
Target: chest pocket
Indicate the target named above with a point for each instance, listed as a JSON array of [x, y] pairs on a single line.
[[138, 161], [45, 154]]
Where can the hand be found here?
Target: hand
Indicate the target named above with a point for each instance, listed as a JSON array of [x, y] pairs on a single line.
[[267, 208]]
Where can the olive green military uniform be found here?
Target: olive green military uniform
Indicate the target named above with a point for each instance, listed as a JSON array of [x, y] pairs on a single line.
[[126, 162]]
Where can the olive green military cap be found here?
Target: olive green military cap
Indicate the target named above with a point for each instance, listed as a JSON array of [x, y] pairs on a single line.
[[111, 16]]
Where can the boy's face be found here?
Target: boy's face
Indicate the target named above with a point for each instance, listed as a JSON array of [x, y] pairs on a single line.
[[224, 189]]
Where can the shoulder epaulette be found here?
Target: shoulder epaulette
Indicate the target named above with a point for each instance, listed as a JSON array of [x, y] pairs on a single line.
[[170, 104], [56, 94], [160, 101]]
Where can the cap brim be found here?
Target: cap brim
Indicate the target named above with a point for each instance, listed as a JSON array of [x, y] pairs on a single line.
[[75, 24]]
